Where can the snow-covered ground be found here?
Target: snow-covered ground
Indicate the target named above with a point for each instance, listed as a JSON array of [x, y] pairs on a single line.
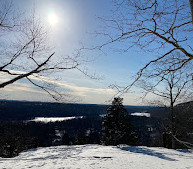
[[96, 156]]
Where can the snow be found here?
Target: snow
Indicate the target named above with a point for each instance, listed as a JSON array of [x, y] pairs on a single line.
[[141, 114], [134, 114], [97, 156], [53, 119]]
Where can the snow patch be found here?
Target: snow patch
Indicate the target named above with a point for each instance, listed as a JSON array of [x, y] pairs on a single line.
[[53, 119], [141, 114]]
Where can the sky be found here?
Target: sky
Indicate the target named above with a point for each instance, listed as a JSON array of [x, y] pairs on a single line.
[[71, 23]]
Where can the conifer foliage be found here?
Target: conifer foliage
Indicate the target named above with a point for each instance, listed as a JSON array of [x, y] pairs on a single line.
[[117, 126]]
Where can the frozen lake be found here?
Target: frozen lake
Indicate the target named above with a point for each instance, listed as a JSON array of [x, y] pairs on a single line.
[[53, 119]]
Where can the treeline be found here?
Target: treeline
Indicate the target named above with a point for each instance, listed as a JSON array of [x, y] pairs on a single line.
[[14, 138], [16, 110], [23, 110], [17, 136]]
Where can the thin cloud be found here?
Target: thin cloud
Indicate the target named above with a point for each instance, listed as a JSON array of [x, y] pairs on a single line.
[[74, 89], [22, 87]]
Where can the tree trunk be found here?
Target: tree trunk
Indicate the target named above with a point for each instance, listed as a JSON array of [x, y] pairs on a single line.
[[173, 124]]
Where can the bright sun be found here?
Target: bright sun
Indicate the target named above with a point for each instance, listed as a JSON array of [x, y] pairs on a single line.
[[52, 18]]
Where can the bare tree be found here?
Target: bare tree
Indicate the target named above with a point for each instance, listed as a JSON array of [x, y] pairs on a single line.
[[26, 54], [160, 27], [173, 88]]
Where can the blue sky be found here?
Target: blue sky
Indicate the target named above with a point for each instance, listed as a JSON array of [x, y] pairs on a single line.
[[75, 20]]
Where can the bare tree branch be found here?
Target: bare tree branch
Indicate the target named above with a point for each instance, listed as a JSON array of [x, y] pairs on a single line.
[[28, 53], [162, 26]]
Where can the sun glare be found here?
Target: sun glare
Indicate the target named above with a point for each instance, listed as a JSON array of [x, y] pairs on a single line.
[[52, 18]]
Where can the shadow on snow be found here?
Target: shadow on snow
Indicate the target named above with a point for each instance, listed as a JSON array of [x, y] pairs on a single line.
[[146, 151]]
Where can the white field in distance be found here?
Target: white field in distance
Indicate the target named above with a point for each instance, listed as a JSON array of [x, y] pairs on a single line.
[[54, 119]]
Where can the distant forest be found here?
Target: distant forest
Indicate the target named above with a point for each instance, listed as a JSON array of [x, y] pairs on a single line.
[[18, 134], [24, 110]]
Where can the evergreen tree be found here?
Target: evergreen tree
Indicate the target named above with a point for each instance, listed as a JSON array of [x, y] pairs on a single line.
[[117, 126]]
